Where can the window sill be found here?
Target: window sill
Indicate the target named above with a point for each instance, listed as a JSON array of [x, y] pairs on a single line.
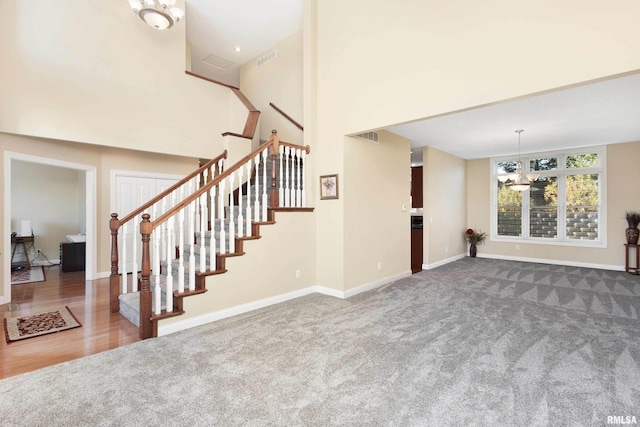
[[601, 244]]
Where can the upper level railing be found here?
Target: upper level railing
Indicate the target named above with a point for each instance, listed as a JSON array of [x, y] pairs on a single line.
[[197, 223], [286, 116]]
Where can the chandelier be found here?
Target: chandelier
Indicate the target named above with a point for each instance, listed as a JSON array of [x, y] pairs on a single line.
[[158, 14], [518, 181]]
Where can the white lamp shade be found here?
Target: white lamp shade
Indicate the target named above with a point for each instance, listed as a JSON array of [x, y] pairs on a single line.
[[520, 187], [155, 19], [164, 3], [177, 13], [135, 5], [503, 178], [150, 3]]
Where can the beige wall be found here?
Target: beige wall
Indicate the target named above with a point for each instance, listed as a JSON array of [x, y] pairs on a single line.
[[93, 72], [280, 82], [375, 64], [376, 228], [445, 206], [262, 272], [621, 196], [104, 159], [380, 63]]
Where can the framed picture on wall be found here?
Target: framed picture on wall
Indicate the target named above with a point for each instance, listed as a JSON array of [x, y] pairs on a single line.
[[328, 187]]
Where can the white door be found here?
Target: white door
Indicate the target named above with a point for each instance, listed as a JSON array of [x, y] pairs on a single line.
[[131, 193]]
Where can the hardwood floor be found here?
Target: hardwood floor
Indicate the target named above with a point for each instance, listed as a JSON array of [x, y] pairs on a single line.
[[88, 300]]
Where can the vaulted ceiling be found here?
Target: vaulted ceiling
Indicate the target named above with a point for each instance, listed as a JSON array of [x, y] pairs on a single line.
[[597, 113]]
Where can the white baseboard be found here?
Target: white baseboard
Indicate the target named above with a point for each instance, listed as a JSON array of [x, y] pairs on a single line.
[[245, 308], [443, 262], [46, 263], [232, 311], [554, 262], [103, 275]]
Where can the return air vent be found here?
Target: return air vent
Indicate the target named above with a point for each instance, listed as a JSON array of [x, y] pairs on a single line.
[[217, 62], [267, 58], [369, 136]]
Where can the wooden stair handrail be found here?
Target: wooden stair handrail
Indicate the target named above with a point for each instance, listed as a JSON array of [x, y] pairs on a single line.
[[286, 116], [198, 76], [252, 118], [168, 191], [240, 163]]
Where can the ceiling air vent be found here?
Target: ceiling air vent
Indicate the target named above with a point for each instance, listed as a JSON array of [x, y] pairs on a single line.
[[267, 58], [217, 62], [369, 136]]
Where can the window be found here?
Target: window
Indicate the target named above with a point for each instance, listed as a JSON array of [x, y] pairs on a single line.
[[564, 205]]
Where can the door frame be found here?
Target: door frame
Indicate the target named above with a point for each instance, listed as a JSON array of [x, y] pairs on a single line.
[[90, 212]]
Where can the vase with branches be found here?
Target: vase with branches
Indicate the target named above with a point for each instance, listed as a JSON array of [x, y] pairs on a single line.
[[633, 219], [474, 237]]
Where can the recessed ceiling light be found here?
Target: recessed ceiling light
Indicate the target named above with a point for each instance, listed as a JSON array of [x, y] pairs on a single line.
[[238, 49]]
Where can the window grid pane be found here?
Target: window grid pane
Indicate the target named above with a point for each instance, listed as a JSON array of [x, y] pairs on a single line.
[[543, 208], [509, 211], [582, 207]]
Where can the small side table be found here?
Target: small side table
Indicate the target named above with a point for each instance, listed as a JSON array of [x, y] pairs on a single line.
[[21, 241], [635, 268]]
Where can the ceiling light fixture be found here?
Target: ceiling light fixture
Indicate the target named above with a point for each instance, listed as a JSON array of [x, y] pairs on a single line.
[[158, 14], [238, 49], [518, 181]]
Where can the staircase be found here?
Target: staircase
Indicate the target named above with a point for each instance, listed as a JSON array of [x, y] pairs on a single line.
[[189, 231]]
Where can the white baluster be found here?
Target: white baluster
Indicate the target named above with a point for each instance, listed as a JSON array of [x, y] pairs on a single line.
[[192, 256], [163, 236], [181, 250], [299, 173], [287, 194], [304, 190], [169, 277], [280, 176], [222, 236], [232, 228], [123, 257], [134, 257], [256, 183], [203, 227], [157, 299], [240, 195], [212, 240], [248, 216], [156, 269], [264, 184]]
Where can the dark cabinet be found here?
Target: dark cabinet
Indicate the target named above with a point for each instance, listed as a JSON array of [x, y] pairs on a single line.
[[416, 187], [416, 244], [72, 256]]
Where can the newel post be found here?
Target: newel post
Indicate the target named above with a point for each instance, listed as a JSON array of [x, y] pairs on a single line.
[[274, 153], [146, 327], [114, 281]]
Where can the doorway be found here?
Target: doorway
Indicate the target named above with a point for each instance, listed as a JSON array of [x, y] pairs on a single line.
[[87, 179]]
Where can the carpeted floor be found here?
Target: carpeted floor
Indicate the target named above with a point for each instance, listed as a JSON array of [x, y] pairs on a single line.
[[477, 342]]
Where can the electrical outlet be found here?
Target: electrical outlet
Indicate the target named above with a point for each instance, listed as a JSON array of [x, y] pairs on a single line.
[[446, 248], [379, 265], [517, 247], [297, 274]]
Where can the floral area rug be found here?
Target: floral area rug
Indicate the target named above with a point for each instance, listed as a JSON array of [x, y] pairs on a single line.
[[34, 274], [33, 325]]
